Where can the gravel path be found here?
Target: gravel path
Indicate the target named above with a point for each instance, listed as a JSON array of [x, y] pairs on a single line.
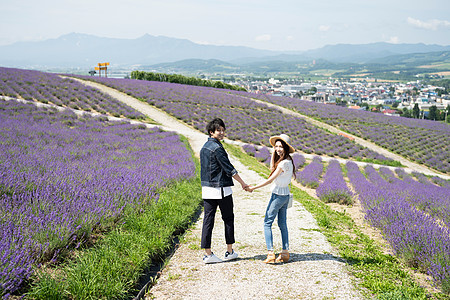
[[315, 271]]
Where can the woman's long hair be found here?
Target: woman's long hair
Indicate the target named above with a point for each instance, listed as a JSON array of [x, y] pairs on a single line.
[[277, 159]]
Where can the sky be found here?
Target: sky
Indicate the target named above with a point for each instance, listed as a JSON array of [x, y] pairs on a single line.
[[283, 25]]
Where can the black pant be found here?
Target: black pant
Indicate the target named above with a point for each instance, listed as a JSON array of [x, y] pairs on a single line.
[[226, 209]]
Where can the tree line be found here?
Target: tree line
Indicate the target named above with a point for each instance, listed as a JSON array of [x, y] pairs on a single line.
[[176, 78]]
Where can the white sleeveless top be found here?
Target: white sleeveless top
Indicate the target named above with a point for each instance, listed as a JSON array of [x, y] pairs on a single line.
[[281, 183]]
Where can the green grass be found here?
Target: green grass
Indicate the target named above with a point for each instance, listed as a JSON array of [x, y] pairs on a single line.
[[378, 275], [111, 269], [391, 163]]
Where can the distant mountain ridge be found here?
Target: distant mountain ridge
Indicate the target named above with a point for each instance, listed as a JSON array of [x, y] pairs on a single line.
[[83, 50], [365, 52], [77, 50], [415, 58]]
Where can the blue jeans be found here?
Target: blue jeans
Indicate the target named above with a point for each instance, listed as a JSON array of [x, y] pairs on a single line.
[[277, 207]]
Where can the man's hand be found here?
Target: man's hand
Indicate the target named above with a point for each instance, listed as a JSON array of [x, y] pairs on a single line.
[[248, 189]]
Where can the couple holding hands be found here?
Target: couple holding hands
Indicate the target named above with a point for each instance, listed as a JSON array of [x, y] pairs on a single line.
[[217, 174]]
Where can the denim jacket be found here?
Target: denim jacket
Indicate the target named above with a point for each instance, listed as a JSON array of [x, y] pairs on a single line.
[[216, 169]]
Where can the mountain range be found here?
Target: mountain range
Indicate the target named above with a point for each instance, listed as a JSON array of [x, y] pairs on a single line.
[[76, 50]]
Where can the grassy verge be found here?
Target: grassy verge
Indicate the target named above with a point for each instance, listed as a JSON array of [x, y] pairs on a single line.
[[111, 269], [379, 275], [391, 163]]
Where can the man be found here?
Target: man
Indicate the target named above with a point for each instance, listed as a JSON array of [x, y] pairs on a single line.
[[216, 180]]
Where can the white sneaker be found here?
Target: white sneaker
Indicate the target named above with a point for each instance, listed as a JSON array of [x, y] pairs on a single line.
[[211, 259], [230, 256]]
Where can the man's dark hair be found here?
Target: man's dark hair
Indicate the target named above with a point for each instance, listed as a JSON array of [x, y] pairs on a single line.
[[214, 125]]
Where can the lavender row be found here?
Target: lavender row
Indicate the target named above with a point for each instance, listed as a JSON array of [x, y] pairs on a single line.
[[310, 175], [440, 181], [61, 176], [333, 187], [424, 141], [65, 92], [246, 120], [414, 235]]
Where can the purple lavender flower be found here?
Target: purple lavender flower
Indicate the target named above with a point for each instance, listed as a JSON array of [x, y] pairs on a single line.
[[333, 187], [310, 175], [416, 228]]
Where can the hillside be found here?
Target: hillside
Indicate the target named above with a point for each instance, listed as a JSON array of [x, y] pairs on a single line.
[[48, 180], [395, 67]]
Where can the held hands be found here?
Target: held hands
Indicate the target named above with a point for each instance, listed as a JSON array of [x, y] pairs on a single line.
[[247, 188]]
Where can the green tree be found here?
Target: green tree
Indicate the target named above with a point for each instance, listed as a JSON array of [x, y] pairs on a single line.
[[407, 113], [433, 113], [176, 78], [299, 94], [311, 91], [416, 111], [219, 84]]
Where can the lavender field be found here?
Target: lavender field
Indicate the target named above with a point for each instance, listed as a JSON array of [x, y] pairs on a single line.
[[65, 92], [426, 142], [412, 212], [246, 120], [412, 216], [64, 177]]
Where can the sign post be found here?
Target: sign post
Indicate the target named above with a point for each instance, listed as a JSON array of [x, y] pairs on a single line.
[[102, 66]]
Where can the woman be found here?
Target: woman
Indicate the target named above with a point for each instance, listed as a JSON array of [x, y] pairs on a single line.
[[282, 170]]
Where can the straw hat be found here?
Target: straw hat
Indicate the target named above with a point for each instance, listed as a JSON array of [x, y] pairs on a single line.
[[283, 137]]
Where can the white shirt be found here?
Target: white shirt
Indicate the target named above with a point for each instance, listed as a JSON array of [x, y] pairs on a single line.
[[281, 183], [215, 192]]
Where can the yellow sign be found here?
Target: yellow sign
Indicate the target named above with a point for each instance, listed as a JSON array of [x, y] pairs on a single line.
[[102, 66]]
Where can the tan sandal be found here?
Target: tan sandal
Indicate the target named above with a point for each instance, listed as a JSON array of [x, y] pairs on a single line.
[[283, 257], [270, 258]]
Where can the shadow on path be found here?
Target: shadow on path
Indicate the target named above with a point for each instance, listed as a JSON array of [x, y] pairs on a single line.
[[297, 257]]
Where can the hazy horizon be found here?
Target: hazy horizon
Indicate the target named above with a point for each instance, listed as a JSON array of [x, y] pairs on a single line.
[[69, 33]]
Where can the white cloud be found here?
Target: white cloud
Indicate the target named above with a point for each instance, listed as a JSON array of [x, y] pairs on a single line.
[[263, 38], [393, 40], [324, 28], [430, 25]]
